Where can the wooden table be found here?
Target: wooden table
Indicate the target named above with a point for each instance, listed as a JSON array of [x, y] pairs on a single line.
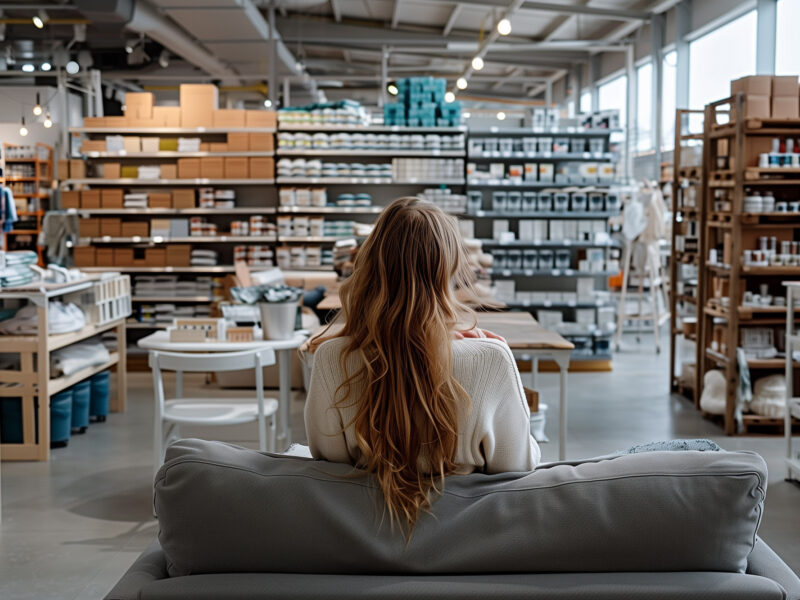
[[530, 341], [283, 349]]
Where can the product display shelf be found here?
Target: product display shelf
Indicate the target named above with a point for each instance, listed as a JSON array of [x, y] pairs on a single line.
[[688, 214], [365, 181], [400, 152], [731, 149], [33, 376], [792, 401], [324, 210], [501, 148], [254, 197], [37, 200], [345, 127]]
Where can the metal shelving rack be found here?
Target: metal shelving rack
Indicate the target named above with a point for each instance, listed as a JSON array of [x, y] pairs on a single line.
[[740, 141], [552, 279], [254, 196], [688, 207]]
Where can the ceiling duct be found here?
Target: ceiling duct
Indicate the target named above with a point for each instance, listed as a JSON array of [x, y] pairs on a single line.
[[106, 11]]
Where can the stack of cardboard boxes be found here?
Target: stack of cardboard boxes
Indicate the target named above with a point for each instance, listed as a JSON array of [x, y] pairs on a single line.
[[174, 255], [768, 96]]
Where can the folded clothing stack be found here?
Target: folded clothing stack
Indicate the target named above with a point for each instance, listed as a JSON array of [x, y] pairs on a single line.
[[150, 172], [169, 286], [61, 318], [17, 270], [137, 200], [73, 358], [188, 144], [204, 258]]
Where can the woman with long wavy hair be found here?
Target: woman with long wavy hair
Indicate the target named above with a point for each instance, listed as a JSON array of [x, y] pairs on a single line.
[[403, 384]]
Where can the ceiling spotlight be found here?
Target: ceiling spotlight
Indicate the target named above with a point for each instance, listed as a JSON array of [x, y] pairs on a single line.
[[449, 97], [501, 116], [46, 66], [73, 67], [461, 83], [477, 63], [48, 122], [28, 68], [504, 27], [37, 110], [392, 89], [163, 59], [37, 22], [23, 131], [268, 103]]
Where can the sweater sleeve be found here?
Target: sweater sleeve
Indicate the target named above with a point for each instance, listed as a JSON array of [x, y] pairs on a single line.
[[507, 444], [324, 427]]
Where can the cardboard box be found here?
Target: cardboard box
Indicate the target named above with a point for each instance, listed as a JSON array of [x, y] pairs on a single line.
[[111, 198], [198, 103], [188, 168], [77, 169], [212, 167], [150, 144], [260, 142], [111, 226], [238, 142], [83, 256], [218, 147], [112, 170], [94, 122], [123, 257], [70, 199], [137, 100], [229, 117], [90, 198], [167, 116], [156, 257], [93, 146], [104, 257], [757, 85], [132, 144], [159, 200], [116, 122], [785, 107], [169, 171], [757, 107], [62, 169], [261, 118], [784, 85], [129, 172], [262, 167], [236, 168], [89, 228], [179, 255], [134, 228], [160, 228], [204, 147], [168, 144], [183, 198]]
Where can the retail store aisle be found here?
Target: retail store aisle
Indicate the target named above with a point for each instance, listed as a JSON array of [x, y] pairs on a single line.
[[72, 526]]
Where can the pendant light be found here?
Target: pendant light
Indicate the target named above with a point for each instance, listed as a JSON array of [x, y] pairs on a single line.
[[37, 110]]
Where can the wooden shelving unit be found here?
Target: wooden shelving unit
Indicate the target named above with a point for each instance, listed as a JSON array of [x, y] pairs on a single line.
[[731, 150], [33, 384], [688, 216], [33, 190]]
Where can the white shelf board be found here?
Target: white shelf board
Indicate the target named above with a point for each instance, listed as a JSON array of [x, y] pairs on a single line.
[[198, 239], [347, 152], [284, 126], [549, 244], [171, 182], [507, 183], [213, 269], [174, 211], [315, 238], [172, 154], [549, 273], [175, 299], [166, 130], [491, 214], [542, 155], [366, 210], [61, 383]]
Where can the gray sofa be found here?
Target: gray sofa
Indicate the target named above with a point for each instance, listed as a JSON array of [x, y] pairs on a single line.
[[235, 523]]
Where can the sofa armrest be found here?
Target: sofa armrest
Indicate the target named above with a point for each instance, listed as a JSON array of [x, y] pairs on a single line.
[[764, 562], [151, 565]]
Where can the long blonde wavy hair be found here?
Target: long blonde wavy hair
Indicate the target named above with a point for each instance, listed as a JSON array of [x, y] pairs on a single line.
[[399, 312]]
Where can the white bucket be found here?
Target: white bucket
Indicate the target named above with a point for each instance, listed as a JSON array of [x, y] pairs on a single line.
[[538, 420], [278, 319]]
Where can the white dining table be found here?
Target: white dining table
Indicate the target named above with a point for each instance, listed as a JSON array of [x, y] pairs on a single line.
[[283, 351]]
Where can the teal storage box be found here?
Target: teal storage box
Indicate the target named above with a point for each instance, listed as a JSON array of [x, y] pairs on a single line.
[[98, 404], [11, 420], [81, 397], [60, 418]]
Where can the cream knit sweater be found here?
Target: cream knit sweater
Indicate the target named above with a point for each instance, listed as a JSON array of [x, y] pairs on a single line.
[[494, 429]]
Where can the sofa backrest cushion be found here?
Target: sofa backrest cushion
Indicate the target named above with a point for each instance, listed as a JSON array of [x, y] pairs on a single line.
[[223, 508]]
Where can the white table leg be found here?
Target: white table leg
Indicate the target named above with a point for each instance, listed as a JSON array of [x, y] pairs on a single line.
[[562, 360], [285, 399]]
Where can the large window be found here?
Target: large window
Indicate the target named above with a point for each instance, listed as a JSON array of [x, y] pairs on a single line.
[[644, 107], [613, 95], [787, 42], [719, 56], [586, 102], [669, 68]]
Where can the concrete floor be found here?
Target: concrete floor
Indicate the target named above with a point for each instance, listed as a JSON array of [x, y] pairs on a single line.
[[72, 526]]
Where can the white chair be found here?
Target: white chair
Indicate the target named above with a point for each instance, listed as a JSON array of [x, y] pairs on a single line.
[[171, 413]]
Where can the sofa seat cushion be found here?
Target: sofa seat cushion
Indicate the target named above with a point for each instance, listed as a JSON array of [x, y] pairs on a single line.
[[225, 509]]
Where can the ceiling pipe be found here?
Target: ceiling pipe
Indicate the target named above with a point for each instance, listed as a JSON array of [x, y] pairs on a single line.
[[147, 20]]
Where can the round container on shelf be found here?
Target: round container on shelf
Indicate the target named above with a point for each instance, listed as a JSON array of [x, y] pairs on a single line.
[[81, 396], [278, 319], [98, 403], [60, 418]]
